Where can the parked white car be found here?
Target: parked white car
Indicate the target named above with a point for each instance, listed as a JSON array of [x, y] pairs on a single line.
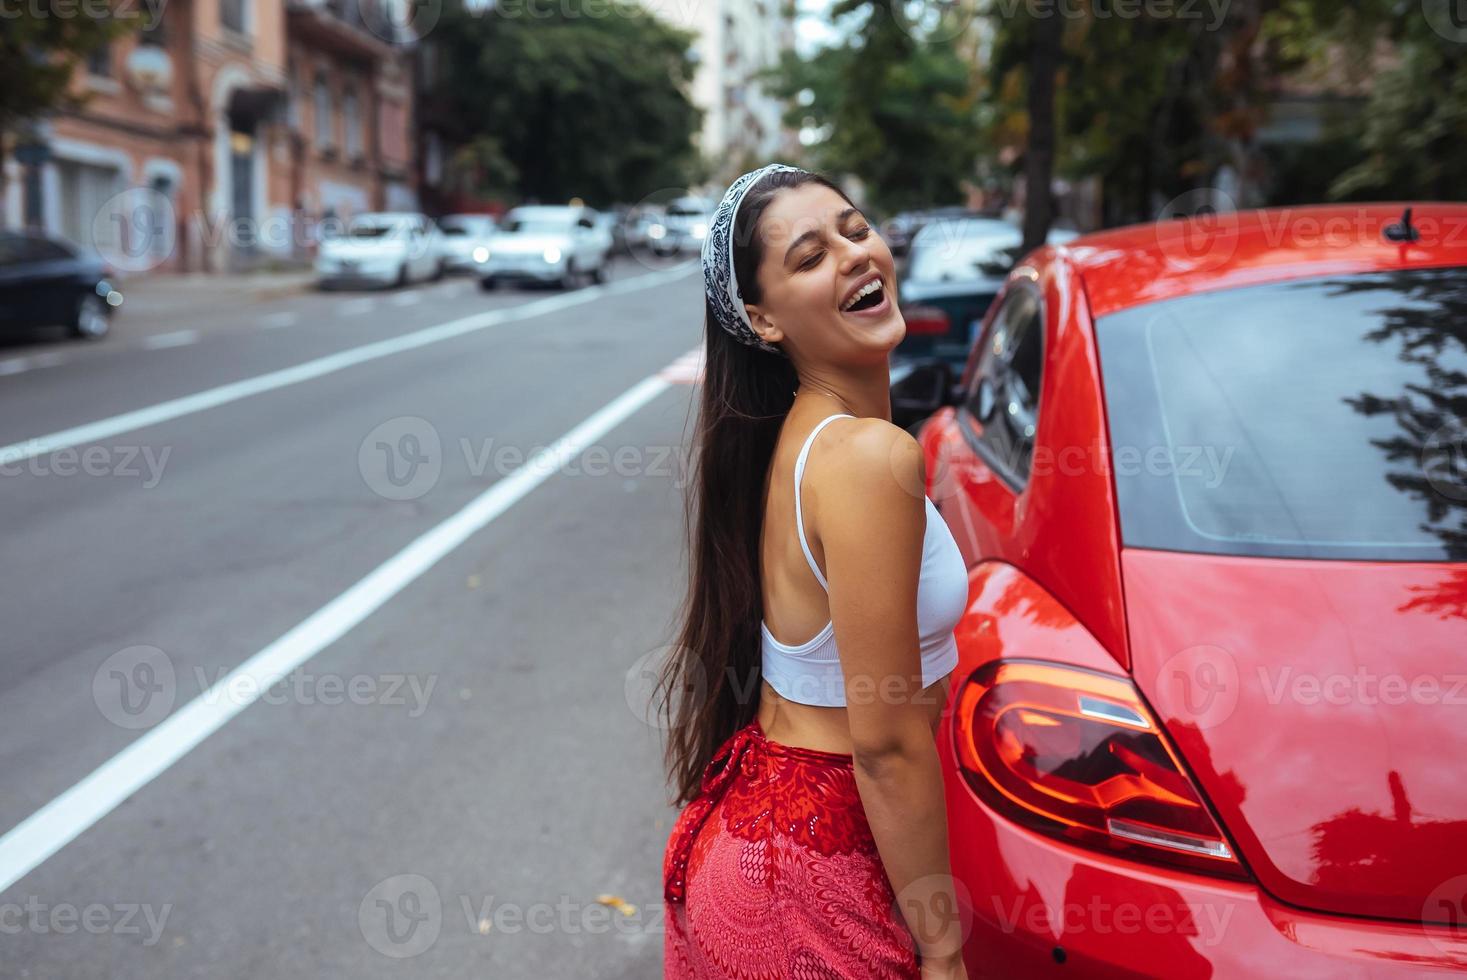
[[545, 243], [968, 247], [683, 226], [385, 248], [463, 234]]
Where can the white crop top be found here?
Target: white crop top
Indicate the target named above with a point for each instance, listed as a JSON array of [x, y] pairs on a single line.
[[810, 673]]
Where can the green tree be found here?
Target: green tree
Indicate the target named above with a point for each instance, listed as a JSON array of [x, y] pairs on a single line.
[[39, 53], [562, 104], [1410, 133], [892, 106], [1136, 102]]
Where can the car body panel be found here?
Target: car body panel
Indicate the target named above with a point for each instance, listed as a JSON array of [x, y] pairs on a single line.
[[1024, 895], [1330, 654], [1138, 264], [1061, 526]]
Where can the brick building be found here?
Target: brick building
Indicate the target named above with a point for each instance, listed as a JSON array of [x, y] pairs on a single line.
[[218, 137]]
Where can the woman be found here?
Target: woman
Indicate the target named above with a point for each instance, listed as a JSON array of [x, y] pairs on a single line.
[[814, 839]]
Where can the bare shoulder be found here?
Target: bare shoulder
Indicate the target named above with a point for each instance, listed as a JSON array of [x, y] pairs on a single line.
[[874, 463]]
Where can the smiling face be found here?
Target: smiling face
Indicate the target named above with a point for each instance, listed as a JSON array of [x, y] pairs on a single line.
[[827, 279]]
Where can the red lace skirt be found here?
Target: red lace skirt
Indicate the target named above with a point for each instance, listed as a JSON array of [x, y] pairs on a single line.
[[772, 872]]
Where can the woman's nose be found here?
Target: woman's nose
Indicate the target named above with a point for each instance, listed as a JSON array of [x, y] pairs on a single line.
[[853, 255]]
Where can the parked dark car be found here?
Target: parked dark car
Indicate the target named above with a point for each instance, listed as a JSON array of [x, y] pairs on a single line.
[[955, 268], [45, 282]]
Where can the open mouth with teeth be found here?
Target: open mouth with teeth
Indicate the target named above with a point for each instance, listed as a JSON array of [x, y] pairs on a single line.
[[868, 297]]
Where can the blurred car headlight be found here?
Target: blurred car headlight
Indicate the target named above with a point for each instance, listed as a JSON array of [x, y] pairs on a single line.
[[657, 231], [700, 230], [481, 254], [552, 255], [114, 298]]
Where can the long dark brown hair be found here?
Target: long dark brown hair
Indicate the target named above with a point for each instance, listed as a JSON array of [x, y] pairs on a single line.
[[709, 685]]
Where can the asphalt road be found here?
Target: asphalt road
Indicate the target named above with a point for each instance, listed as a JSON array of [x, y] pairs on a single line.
[[452, 773]]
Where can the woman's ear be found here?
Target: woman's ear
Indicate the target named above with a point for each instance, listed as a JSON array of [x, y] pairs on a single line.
[[763, 326]]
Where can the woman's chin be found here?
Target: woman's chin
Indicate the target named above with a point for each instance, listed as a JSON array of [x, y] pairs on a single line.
[[882, 326]]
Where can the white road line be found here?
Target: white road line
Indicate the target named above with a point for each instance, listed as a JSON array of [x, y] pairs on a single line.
[[354, 306], [329, 364], [176, 339], [62, 820], [686, 370], [45, 359], [277, 320]]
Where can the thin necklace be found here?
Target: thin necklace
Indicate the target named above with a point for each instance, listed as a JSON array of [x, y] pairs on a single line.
[[837, 400]]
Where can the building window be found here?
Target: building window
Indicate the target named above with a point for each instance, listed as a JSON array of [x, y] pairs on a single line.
[[99, 60], [84, 192], [325, 123], [232, 14], [351, 113], [293, 95]]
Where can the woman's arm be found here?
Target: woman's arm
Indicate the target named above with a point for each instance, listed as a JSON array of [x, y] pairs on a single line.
[[871, 526]]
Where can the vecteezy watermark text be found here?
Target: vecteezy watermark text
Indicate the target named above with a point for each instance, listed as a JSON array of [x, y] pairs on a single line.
[[120, 461], [403, 915], [95, 918], [138, 686], [151, 11]]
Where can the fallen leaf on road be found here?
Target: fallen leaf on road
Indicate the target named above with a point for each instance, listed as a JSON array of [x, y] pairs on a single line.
[[618, 903]]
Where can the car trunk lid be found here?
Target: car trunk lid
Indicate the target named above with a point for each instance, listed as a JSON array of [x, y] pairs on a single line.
[[1322, 707]]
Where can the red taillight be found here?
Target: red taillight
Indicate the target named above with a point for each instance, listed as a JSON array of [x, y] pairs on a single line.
[[925, 320], [1077, 755]]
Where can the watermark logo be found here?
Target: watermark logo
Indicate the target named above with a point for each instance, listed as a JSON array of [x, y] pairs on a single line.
[[400, 21], [135, 688], [1199, 686], [136, 230], [1447, 17], [667, 225], [643, 695], [401, 916], [1447, 904], [1198, 229], [939, 911], [934, 21], [1444, 461], [402, 458]]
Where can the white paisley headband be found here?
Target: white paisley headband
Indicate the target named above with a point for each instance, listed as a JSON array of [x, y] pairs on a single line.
[[720, 284]]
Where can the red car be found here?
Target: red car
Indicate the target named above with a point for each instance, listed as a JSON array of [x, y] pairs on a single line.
[[1210, 720]]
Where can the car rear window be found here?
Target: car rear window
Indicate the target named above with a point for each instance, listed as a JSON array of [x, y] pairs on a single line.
[[538, 224], [948, 252], [1316, 418], [376, 231]]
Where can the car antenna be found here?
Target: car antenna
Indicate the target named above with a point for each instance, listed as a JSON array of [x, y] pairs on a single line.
[[1403, 230]]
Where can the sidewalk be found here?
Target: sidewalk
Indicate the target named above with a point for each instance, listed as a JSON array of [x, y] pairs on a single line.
[[163, 291]]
